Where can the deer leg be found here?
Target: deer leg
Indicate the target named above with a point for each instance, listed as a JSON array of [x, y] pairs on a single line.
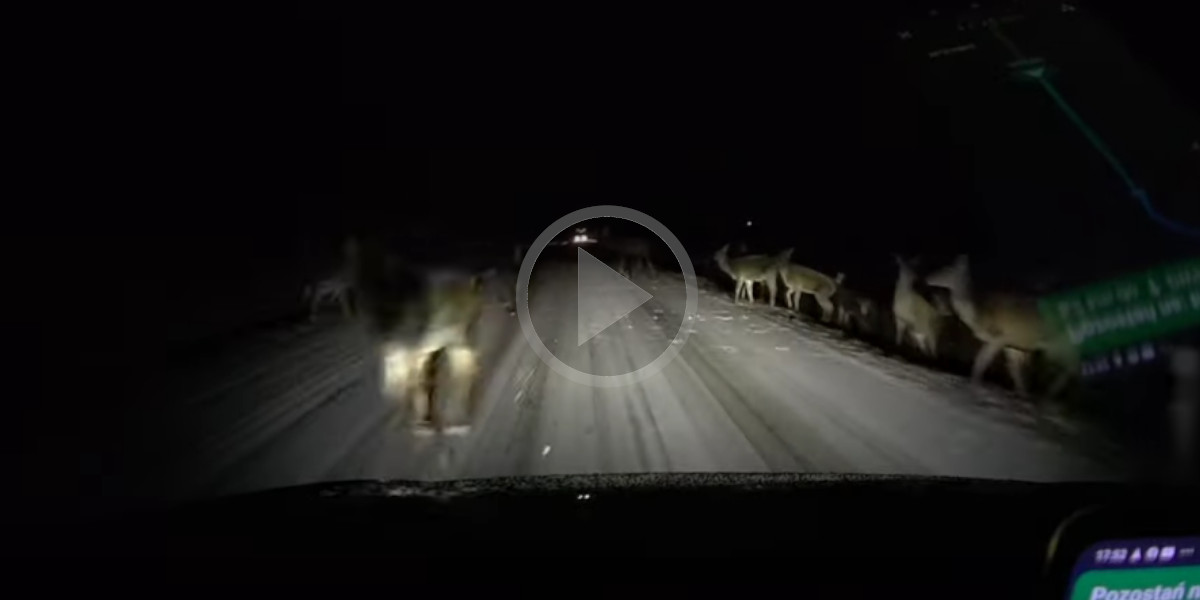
[[931, 342], [985, 357], [921, 340], [417, 389], [1060, 382], [826, 307], [901, 326], [1017, 360], [1068, 367], [431, 376]]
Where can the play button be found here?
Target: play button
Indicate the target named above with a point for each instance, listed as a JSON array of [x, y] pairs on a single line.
[[615, 343], [605, 297]]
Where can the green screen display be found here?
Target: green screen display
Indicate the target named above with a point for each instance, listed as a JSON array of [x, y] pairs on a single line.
[[1128, 310], [1158, 583]]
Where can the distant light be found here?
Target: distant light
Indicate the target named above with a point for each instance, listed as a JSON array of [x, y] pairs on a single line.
[[749, 223]]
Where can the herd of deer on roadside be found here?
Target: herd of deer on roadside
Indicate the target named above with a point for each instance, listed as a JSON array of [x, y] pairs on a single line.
[[999, 321]]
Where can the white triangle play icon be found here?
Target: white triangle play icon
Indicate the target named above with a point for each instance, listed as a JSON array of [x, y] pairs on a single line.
[[605, 296]]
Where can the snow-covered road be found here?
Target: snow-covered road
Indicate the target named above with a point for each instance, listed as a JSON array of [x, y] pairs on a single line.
[[751, 390]]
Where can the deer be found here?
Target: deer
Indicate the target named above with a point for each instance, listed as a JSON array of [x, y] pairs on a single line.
[[800, 279], [1007, 322], [913, 313], [751, 269]]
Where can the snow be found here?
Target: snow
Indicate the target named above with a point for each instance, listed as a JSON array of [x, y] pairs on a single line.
[[754, 389]]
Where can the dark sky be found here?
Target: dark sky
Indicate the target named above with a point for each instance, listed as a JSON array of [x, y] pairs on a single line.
[[817, 124], [834, 137]]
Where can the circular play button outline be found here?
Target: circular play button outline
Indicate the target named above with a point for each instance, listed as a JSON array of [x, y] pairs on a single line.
[[689, 281]]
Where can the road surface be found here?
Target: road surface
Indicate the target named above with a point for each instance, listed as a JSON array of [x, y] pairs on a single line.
[[751, 390]]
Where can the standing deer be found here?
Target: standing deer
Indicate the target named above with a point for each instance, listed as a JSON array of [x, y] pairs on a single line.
[[748, 270], [802, 280], [1005, 322], [914, 314], [855, 309]]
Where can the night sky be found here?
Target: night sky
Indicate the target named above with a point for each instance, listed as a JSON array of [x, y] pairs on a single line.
[[835, 139]]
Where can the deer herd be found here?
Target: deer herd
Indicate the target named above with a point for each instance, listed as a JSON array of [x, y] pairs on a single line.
[[426, 316], [998, 321]]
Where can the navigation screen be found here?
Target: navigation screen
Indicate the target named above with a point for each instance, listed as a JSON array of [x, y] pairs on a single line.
[[1138, 569]]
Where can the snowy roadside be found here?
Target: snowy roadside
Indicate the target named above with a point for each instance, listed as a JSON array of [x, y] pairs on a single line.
[[1045, 417]]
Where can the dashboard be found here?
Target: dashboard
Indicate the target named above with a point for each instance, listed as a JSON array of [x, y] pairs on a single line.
[[803, 534]]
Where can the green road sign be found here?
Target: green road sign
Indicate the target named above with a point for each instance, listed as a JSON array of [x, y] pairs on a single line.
[[1121, 312]]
